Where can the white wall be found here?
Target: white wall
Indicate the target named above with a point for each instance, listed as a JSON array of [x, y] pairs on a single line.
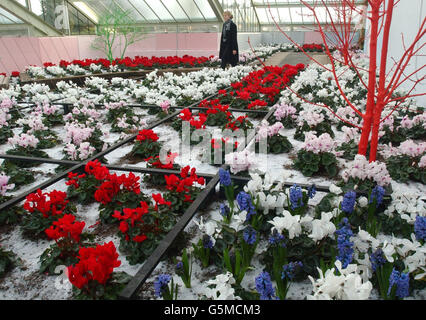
[[406, 20], [255, 40]]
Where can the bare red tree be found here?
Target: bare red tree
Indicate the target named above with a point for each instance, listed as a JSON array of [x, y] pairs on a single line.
[[381, 85]]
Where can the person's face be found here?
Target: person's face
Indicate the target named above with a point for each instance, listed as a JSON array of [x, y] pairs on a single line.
[[226, 16]]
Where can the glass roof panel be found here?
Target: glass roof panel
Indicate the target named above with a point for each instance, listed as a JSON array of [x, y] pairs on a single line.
[[160, 10], [143, 8], [206, 9], [263, 15], [192, 10], [273, 15], [134, 14], [189, 11], [284, 15], [7, 18], [308, 16], [176, 10], [96, 7], [296, 15]]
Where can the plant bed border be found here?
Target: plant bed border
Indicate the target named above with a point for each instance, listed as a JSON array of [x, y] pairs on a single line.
[[4, 83], [79, 79]]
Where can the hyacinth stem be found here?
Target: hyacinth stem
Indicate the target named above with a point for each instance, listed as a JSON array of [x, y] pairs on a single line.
[[170, 292], [203, 254], [372, 227], [229, 193], [256, 221], [282, 287], [240, 266], [206, 257], [280, 259], [187, 267], [383, 273]]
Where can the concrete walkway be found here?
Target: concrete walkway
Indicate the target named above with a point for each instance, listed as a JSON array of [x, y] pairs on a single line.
[[293, 58]]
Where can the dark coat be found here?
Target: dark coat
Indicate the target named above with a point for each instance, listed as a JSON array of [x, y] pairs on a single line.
[[226, 48]]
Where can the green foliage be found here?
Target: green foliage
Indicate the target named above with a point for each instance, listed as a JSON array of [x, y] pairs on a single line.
[[53, 119], [5, 134], [177, 124], [403, 168], [202, 253], [325, 205], [350, 150], [48, 139], [85, 192], [288, 122], [225, 99], [26, 152], [146, 149], [11, 215], [8, 260], [238, 254], [304, 249], [185, 272], [64, 252], [395, 225], [110, 291], [276, 144], [400, 134], [361, 185], [219, 118], [382, 275], [236, 264], [53, 257], [113, 116], [320, 128], [17, 175], [179, 201], [154, 225], [310, 163]]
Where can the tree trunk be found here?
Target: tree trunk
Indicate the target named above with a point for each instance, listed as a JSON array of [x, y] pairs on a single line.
[[381, 94], [375, 132], [365, 134], [369, 113]]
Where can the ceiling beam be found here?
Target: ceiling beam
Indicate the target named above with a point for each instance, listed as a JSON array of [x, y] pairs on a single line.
[[217, 9], [22, 13]]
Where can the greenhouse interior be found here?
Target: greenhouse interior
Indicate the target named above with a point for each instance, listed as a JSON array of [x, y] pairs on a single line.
[[212, 150]]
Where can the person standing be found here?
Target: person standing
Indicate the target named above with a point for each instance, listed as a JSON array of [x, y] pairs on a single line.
[[228, 42]]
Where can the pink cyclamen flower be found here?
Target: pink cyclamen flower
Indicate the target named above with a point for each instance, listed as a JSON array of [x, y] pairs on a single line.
[[4, 186], [283, 111], [422, 162], [24, 140], [165, 105], [323, 143]]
